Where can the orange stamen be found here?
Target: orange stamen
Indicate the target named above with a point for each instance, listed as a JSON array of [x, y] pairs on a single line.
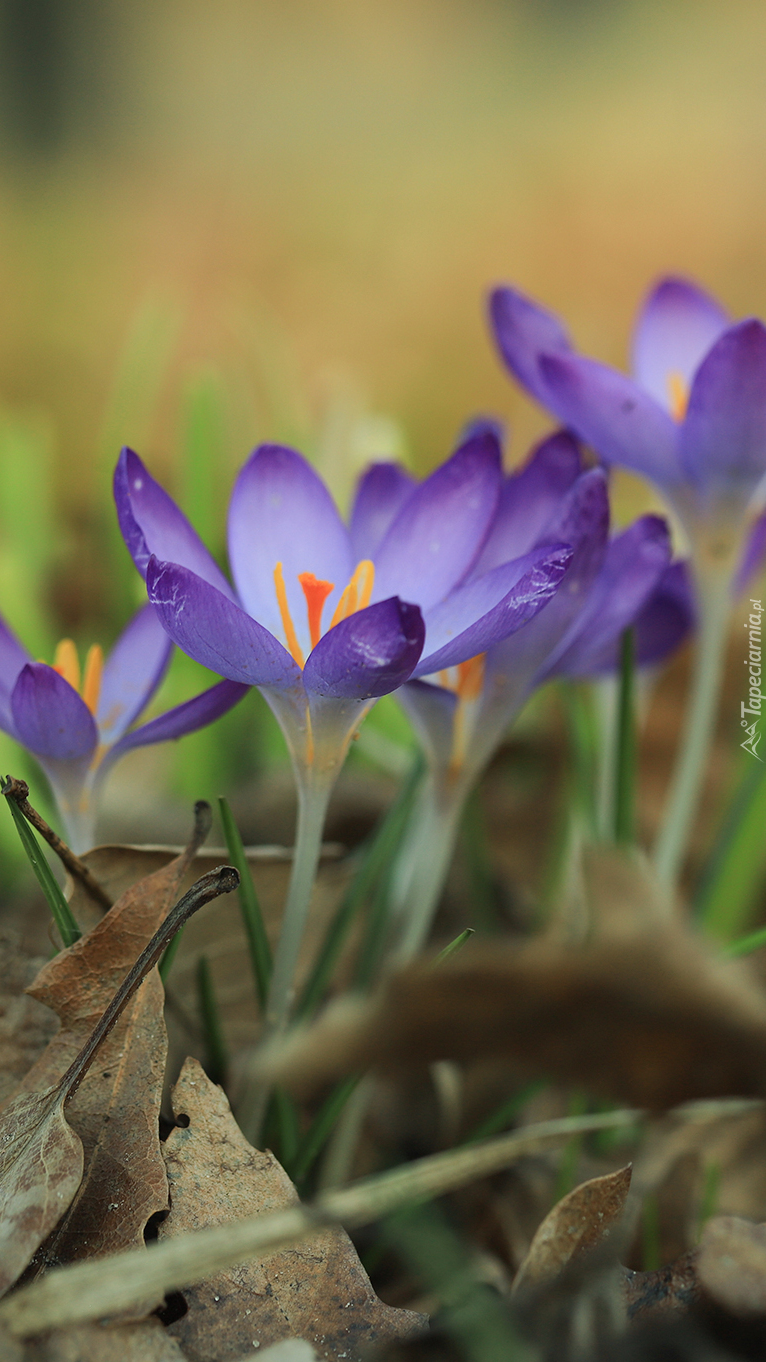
[[678, 391], [470, 677], [287, 624], [91, 685], [316, 592], [357, 594], [67, 663]]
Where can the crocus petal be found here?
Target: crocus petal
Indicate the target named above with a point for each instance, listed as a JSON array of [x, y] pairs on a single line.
[[182, 719], [380, 495], [281, 512], [667, 618], [722, 442], [528, 500], [151, 523], [634, 564], [677, 326], [610, 412], [132, 673], [214, 631], [489, 608], [49, 717], [753, 556], [12, 658], [370, 653], [441, 528], [523, 331]]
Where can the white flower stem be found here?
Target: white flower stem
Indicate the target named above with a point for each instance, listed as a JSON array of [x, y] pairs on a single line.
[[426, 858], [686, 785]]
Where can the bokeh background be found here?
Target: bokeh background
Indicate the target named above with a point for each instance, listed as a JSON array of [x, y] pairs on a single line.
[[249, 220]]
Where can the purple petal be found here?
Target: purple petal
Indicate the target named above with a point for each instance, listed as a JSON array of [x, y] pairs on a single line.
[[490, 608], [380, 495], [523, 331], [370, 653], [610, 412], [634, 564], [215, 632], [441, 528], [132, 673], [753, 555], [722, 442], [12, 658], [182, 719], [528, 500], [49, 717], [281, 512], [677, 326], [151, 523], [667, 618]]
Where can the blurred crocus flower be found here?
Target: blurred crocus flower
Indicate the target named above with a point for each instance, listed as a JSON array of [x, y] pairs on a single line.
[[692, 419], [461, 714], [77, 726]]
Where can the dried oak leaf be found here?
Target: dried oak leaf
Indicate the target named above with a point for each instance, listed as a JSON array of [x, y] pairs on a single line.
[[581, 1221], [115, 1112], [317, 1291], [642, 1012], [732, 1264], [669, 1290]]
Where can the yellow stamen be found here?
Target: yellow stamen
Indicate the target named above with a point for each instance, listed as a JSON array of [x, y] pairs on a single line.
[[91, 685], [67, 663], [678, 391], [287, 624], [358, 592], [470, 677], [316, 592]]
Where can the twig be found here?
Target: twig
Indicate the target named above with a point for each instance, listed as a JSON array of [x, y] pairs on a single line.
[[18, 791]]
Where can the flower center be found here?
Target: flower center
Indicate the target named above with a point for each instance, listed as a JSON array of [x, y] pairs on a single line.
[[356, 596], [67, 664], [678, 392]]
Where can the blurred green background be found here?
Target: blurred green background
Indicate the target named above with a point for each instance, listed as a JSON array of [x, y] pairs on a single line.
[[258, 220]]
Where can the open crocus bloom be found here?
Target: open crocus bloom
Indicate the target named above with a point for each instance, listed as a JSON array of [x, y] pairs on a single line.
[[325, 618], [77, 726], [692, 419]]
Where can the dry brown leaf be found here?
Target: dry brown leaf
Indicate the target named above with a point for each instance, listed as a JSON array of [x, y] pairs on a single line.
[[680, 1022], [732, 1264], [143, 1341], [669, 1290], [25, 1026], [116, 1110], [317, 1291], [580, 1221]]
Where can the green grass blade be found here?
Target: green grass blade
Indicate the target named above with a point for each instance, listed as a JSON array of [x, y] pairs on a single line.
[[625, 756], [321, 1129], [215, 1043], [62, 913], [735, 870], [252, 917], [455, 945]]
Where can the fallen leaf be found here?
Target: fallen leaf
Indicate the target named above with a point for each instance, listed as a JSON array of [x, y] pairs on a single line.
[[25, 1026], [732, 1264], [682, 1023], [582, 1220], [317, 1291], [116, 1110], [143, 1341], [670, 1290]]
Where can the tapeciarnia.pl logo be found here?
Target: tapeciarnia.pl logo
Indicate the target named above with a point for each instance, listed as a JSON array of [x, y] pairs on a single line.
[[755, 694]]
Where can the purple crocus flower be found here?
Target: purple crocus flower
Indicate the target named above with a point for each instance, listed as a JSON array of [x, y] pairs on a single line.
[[325, 618], [692, 419], [78, 727], [461, 714]]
